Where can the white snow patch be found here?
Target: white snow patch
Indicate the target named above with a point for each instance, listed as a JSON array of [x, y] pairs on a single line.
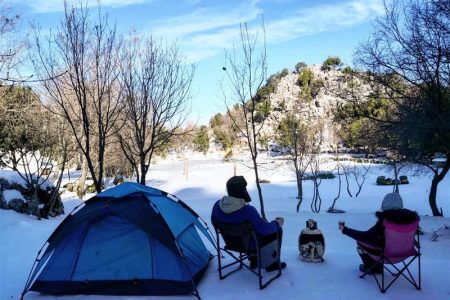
[[22, 236], [12, 177], [9, 195]]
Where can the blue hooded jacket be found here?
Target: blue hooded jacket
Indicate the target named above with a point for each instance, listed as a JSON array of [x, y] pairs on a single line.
[[235, 210]]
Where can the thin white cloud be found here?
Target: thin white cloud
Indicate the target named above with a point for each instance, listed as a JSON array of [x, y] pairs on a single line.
[[46, 6], [203, 46], [204, 20], [323, 18], [207, 32]]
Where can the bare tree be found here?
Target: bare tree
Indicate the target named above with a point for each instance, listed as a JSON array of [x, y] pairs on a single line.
[[79, 68], [407, 60], [339, 170], [156, 82], [347, 169], [360, 175], [315, 167], [64, 144], [397, 165], [10, 46], [246, 71], [297, 136]]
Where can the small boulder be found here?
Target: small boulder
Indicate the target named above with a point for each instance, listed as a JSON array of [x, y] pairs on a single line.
[[3, 204], [18, 205], [91, 188], [118, 180], [4, 184], [71, 186]]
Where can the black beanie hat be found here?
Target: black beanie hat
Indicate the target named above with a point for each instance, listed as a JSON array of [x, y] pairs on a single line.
[[236, 187]]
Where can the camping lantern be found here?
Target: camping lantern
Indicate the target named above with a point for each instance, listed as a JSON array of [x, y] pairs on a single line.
[[311, 243]]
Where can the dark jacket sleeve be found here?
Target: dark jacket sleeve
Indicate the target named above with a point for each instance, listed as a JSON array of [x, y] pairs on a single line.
[[261, 227], [374, 236]]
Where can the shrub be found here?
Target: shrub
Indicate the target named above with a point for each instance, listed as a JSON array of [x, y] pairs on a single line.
[[305, 77], [327, 175], [404, 179], [316, 86], [305, 94], [300, 66], [347, 70], [381, 180], [215, 121], [201, 139], [285, 72], [388, 181], [331, 62], [91, 189], [262, 111]]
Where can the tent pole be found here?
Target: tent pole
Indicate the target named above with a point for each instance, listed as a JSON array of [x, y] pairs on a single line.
[[205, 225], [196, 293], [36, 261]]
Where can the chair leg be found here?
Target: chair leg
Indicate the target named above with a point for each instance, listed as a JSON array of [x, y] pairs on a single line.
[[219, 260], [420, 271], [237, 260], [277, 274], [258, 263], [399, 272]]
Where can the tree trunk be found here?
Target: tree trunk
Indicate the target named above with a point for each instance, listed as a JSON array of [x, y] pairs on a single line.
[[36, 200], [339, 192], [144, 166], [143, 173], [434, 185], [99, 182], [348, 184], [299, 190], [58, 184], [396, 181], [258, 186], [432, 197], [82, 181]]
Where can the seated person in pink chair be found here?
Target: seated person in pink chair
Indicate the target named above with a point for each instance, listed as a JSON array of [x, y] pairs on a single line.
[[391, 210]]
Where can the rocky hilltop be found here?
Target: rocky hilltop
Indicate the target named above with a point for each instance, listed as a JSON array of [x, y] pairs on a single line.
[[314, 107]]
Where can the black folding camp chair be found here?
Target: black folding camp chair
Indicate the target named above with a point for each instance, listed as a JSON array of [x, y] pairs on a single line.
[[240, 242], [402, 248]]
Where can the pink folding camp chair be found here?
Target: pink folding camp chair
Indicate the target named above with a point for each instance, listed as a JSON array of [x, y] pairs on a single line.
[[402, 247]]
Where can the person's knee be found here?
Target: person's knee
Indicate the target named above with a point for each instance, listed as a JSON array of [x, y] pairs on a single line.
[[280, 231], [360, 250]]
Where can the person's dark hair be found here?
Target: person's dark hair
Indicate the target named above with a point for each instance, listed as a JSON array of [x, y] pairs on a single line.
[[236, 187]]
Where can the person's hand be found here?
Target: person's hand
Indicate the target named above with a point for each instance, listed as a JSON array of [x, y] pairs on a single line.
[[341, 225], [280, 221]]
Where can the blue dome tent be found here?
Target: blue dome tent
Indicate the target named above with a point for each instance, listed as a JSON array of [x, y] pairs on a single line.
[[128, 240]]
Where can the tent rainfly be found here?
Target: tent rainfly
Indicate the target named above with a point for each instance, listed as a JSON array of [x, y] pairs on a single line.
[[129, 240]]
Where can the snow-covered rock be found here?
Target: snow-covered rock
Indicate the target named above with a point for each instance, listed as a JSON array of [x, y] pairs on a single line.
[[17, 195]]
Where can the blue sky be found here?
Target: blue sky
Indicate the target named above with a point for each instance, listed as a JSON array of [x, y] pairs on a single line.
[[297, 30]]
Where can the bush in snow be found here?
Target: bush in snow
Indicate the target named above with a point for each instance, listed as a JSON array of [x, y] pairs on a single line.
[[15, 194]]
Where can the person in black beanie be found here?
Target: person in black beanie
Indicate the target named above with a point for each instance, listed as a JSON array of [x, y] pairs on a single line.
[[235, 208]]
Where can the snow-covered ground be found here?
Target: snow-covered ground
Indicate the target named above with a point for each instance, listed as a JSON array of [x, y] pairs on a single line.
[[21, 236]]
